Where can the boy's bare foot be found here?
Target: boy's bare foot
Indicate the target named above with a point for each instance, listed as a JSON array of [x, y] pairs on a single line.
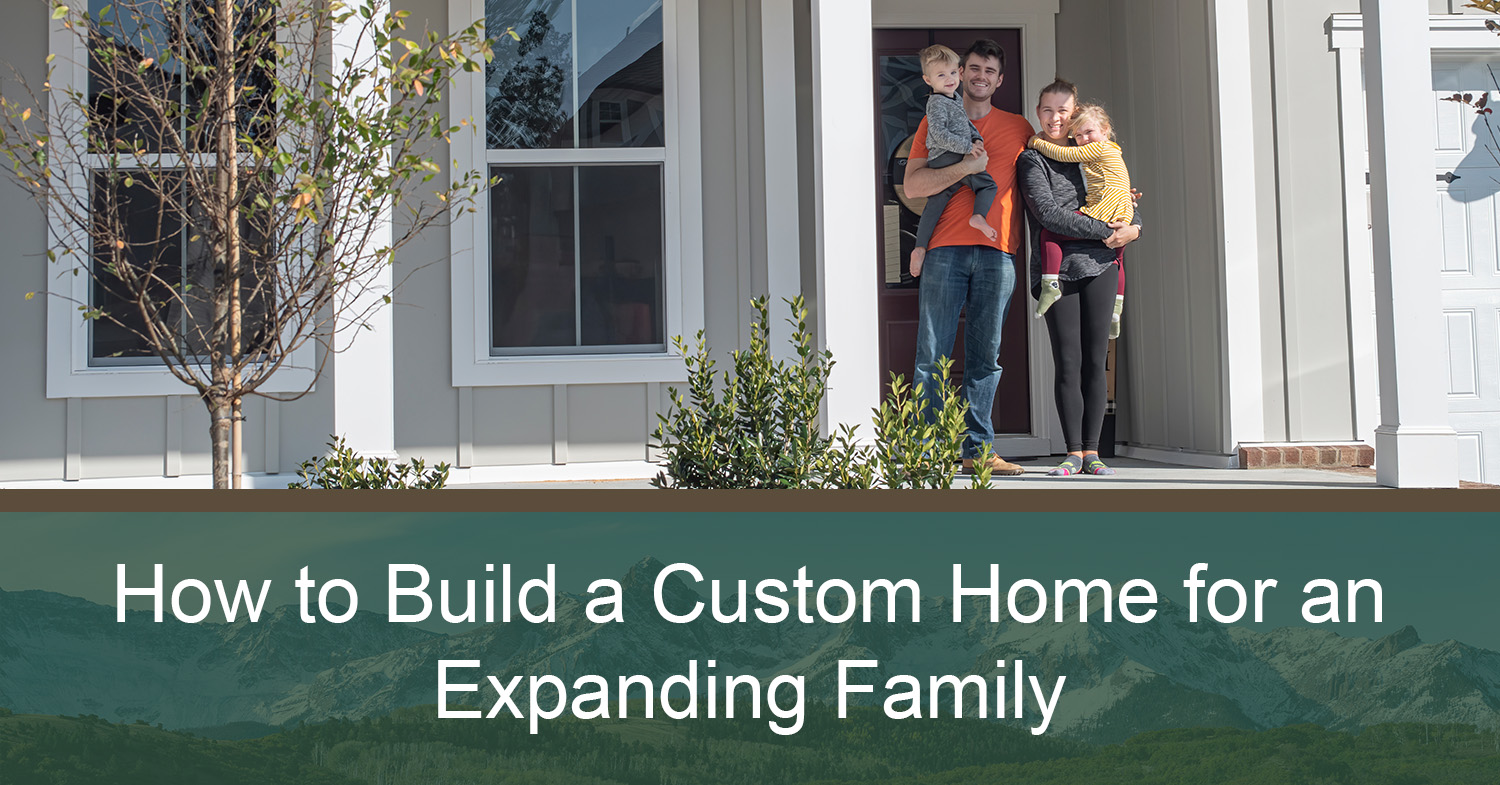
[[978, 222], [917, 255]]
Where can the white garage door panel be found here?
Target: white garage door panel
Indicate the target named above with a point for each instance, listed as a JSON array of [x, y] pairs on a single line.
[[1455, 218], [1473, 458], [1463, 377]]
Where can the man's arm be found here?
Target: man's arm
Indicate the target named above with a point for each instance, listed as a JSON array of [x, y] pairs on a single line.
[[922, 181]]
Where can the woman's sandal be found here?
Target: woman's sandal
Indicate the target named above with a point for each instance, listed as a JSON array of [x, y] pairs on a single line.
[[1092, 465], [1070, 466]]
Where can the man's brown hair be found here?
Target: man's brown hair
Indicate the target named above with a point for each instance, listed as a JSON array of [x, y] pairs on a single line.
[[985, 47]]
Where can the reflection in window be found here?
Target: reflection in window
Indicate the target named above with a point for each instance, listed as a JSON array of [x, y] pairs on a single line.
[[157, 267], [158, 107], [532, 257], [620, 254], [571, 280], [528, 104], [597, 60]]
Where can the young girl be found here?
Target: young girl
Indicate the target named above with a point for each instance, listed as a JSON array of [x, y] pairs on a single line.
[[1108, 197]]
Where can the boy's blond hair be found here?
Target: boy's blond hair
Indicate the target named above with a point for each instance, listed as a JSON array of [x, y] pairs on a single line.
[[937, 53], [1093, 112]]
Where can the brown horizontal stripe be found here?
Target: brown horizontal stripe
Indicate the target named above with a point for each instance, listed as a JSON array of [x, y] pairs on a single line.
[[999, 500]]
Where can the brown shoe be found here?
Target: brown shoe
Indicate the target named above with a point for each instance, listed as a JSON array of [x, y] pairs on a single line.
[[998, 467]]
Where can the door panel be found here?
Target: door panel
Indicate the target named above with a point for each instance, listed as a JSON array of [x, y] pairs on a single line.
[[900, 104], [1467, 205]]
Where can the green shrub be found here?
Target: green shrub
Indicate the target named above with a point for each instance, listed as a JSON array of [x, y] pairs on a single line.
[[345, 469], [911, 452], [759, 426]]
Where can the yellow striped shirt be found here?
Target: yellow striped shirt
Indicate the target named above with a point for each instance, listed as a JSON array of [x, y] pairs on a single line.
[[1104, 173]]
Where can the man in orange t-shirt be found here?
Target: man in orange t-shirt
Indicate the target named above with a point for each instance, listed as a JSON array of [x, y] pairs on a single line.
[[963, 267]]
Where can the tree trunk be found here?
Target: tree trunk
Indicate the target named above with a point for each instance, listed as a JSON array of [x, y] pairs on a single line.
[[236, 438], [228, 187], [221, 418]]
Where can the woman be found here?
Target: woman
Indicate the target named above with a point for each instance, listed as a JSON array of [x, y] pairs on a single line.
[[1078, 323]]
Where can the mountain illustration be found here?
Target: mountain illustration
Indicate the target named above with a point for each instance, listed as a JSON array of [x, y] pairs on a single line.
[[62, 655]]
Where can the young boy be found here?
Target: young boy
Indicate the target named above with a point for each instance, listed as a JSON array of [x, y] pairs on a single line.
[[949, 131]]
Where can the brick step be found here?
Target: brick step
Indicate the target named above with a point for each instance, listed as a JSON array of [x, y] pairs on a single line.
[[1283, 456]]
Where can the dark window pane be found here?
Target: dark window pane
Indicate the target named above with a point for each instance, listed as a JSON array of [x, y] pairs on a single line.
[[528, 85], [532, 258], [147, 267], [620, 73], [192, 310], [137, 259], [620, 230]]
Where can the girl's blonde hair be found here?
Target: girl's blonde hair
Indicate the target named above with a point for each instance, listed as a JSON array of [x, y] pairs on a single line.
[[1093, 112]]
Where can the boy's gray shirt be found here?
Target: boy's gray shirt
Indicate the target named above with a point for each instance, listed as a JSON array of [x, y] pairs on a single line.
[[948, 126]]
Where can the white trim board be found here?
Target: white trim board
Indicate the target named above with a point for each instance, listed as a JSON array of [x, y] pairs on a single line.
[[1201, 460], [457, 478], [1450, 36], [1234, 150]]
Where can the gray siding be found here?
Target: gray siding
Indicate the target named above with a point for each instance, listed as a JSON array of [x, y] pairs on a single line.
[[1318, 371], [32, 429], [1149, 64]]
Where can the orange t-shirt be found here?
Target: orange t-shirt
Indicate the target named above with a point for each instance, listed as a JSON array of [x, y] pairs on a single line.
[[1005, 137]]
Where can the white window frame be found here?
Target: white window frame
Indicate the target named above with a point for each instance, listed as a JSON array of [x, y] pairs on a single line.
[[69, 374], [682, 224]]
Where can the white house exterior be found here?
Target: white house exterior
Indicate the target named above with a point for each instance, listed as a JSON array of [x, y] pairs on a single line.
[[1303, 278]]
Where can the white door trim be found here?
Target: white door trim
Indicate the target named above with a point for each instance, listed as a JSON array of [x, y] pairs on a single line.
[[1234, 150]]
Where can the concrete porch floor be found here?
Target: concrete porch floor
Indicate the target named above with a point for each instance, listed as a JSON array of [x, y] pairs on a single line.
[[1133, 473]]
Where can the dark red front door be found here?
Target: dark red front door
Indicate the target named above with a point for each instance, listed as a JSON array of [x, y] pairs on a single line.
[[901, 101]]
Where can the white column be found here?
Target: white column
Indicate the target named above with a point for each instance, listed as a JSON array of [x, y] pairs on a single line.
[[1245, 416], [364, 393], [779, 122], [1414, 445], [844, 188]]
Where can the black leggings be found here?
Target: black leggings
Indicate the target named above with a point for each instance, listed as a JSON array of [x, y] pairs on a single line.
[[1078, 325]]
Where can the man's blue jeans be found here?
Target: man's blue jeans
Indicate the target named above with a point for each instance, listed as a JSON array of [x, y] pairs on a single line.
[[982, 279]]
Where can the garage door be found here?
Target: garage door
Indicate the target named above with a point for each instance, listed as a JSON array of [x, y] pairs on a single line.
[[1467, 179]]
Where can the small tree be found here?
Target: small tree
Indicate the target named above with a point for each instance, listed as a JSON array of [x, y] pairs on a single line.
[[237, 173]]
